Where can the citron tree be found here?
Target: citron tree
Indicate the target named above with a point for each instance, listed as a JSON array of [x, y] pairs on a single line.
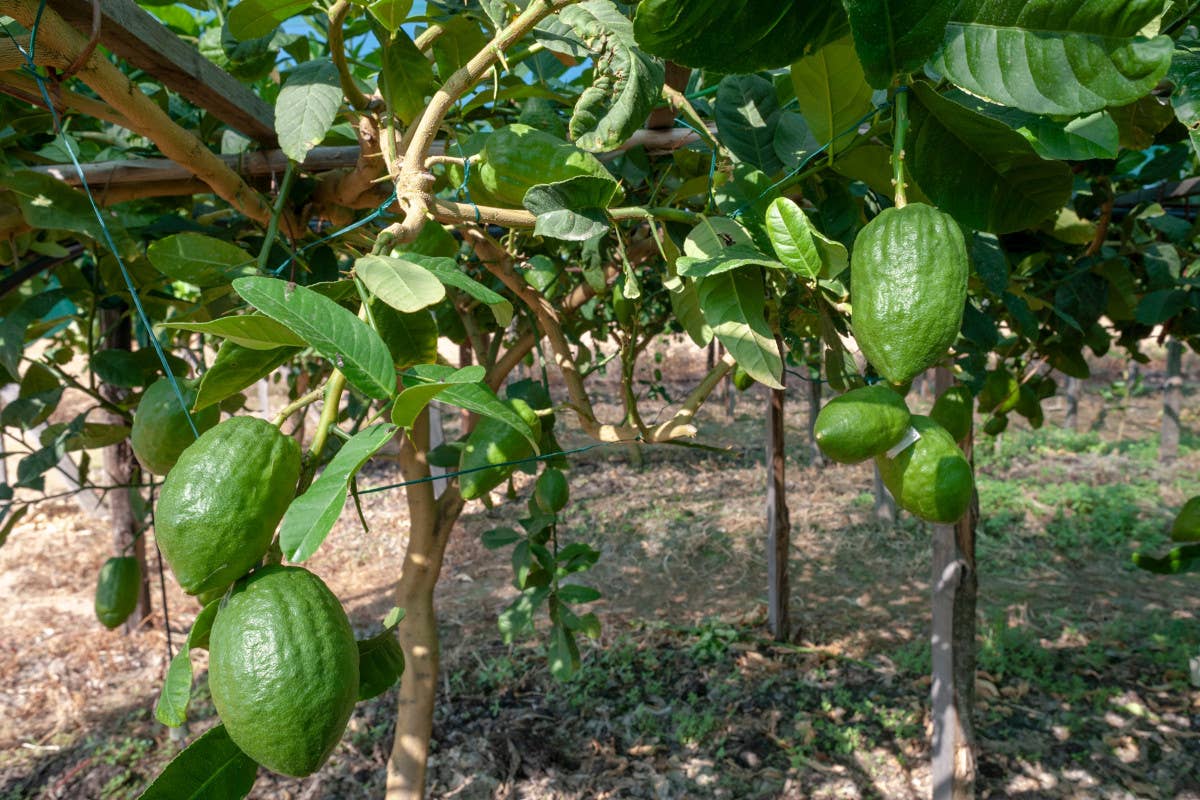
[[912, 184]]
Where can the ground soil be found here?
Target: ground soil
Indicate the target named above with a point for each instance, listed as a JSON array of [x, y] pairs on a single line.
[[1083, 690]]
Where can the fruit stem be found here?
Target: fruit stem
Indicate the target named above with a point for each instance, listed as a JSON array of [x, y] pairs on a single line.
[[329, 413], [899, 133], [292, 408]]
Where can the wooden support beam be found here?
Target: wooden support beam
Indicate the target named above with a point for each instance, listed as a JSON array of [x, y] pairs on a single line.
[[139, 38]]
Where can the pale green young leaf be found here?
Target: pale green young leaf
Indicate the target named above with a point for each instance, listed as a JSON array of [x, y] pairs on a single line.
[[307, 106], [402, 284], [832, 93]]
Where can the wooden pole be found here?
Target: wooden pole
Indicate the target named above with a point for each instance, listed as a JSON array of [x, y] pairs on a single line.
[[1168, 443], [952, 691], [816, 458], [778, 523]]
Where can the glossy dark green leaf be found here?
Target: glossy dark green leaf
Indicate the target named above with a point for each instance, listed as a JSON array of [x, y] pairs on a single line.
[[334, 332], [734, 305], [312, 515], [210, 768], [406, 78], [380, 664], [1054, 57], [626, 83], [171, 708], [747, 113], [986, 175], [200, 260], [893, 37], [499, 537], [252, 331], [737, 36], [236, 368]]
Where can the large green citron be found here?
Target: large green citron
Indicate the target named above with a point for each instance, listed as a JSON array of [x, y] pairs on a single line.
[[908, 287], [220, 504], [160, 428], [861, 423], [495, 442], [931, 478], [283, 669]]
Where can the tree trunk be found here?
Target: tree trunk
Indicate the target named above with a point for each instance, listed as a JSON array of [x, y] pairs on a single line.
[[429, 529], [778, 524], [955, 589], [121, 469], [1071, 422], [816, 457], [1168, 442]]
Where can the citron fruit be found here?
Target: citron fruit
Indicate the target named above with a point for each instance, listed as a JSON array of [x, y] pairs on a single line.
[[861, 423], [494, 441], [954, 410], [283, 669], [117, 590], [1186, 527], [551, 491], [160, 428], [908, 288], [220, 504], [930, 479]]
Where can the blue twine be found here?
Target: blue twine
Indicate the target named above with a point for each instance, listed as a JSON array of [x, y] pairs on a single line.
[[379, 210], [30, 67], [463, 192]]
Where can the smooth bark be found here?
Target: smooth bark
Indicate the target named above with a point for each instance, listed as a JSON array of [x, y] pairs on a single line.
[[779, 526], [1168, 443]]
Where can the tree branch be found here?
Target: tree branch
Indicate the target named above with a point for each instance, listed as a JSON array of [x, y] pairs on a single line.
[[57, 45], [337, 51]]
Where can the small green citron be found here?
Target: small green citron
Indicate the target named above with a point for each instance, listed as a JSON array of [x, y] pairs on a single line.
[[741, 379], [283, 669], [160, 428], [117, 590], [1186, 527], [931, 478], [495, 442], [551, 491], [220, 504], [953, 410], [908, 288], [861, 423], [517, 157]]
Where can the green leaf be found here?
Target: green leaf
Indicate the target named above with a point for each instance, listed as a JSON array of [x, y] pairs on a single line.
[[1185, 100], [307, 106], [1140, 122], [89, 436], [171, 708], [210, 768], [474, 396], [747, 113], [312, 515], [410, 402], [1052, 57], [202, 627], [736, 37], [403, 285], [792, 237], [499, 537], [200, 260], [390, 13], [120, 368], [571, 209], [735, 307], [235, 368], [739, 255], [380, 664], [575, 594], [461, 39], [896, 36], [1160, 306], [13, 519], [406, 77], [832, 93], [50, 204], [252, 331], [1180, 559], [563, 654], [713, 235], [251, 19], [626, 83], [446, 270], [983, 173], [334, 332]]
